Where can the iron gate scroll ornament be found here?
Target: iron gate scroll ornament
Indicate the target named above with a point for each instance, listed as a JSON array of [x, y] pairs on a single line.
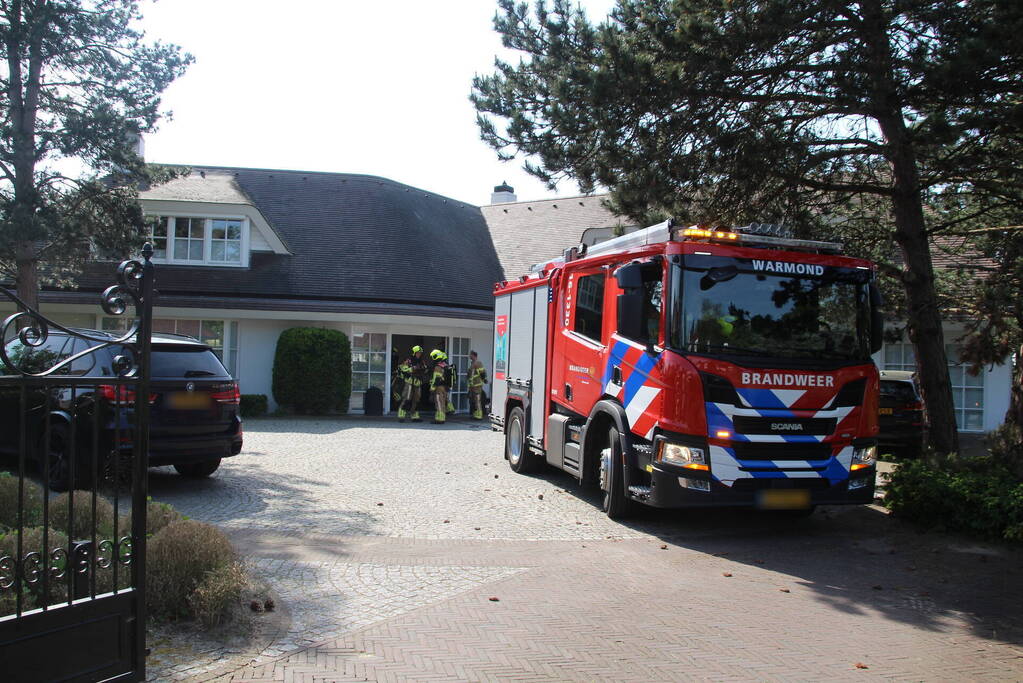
[[49, 598]]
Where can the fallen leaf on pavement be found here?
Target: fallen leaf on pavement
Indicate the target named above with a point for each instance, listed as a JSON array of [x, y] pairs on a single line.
[[784, 590], [861, 665], [726, 573], [495, 599]]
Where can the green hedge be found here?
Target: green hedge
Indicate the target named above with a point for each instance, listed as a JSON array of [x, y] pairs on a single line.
[[253, 405], [979, 496], [313, 370]]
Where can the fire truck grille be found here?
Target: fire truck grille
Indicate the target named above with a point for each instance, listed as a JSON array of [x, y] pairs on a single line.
[[762, 484], [745, 424], [782, 451]]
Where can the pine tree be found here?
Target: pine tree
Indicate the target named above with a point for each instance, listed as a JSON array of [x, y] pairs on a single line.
[[768, 110], [78, 84]]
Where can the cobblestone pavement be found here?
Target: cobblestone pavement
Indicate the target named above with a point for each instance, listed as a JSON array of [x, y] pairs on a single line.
[[412, 552]]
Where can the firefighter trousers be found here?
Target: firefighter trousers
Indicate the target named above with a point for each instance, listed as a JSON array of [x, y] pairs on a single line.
[[440, 402], [410, 402], [476, 401]]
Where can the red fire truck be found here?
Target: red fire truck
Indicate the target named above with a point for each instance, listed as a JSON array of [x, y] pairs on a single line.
[[679, 367]]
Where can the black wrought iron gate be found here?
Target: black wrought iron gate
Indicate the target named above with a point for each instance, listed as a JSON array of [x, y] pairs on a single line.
[[74, 432]]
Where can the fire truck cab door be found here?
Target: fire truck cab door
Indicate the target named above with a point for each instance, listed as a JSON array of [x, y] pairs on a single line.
[[582, 333]]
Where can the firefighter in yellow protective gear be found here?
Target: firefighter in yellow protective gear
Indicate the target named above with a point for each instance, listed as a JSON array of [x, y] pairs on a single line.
[[476, 377], [440, 384], [413, 374]]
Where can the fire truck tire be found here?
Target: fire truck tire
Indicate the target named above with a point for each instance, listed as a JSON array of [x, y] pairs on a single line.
[[516, 452], [617, 505]]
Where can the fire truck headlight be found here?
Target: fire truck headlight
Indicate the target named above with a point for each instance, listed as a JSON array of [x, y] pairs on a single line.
[[864, 458], [689, 457]]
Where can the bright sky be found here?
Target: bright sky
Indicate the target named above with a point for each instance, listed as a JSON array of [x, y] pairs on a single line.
[[345, 86]]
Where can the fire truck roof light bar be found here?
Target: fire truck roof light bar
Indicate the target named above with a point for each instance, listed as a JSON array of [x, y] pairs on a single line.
[[663, 232]]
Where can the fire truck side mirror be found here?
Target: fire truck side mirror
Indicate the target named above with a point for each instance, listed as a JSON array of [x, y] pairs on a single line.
[[876, 320], [630, 276]]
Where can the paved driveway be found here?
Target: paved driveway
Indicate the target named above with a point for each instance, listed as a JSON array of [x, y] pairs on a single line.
[[412, 552]]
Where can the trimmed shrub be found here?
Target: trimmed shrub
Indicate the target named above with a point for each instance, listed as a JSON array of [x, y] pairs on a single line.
[[978, 496], [83, 522], [33, 515], [254, 405], [219, 591], [177, 560], [1006, 445], [159, 515], [312, 370], [32, 542]]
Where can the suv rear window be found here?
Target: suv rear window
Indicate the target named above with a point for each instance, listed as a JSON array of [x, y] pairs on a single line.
[[903, 392], [177, 361]]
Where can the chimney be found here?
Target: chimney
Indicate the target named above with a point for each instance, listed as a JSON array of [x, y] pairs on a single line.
[[503, 194]]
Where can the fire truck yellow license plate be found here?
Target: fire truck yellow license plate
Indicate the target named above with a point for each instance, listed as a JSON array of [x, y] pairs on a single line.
[[884, 411], [787, 499]]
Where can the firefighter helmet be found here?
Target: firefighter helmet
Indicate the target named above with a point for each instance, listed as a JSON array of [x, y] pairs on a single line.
[[437, 354], [417, 349]]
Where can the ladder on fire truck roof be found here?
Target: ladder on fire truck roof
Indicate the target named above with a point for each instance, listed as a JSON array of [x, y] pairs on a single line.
[[754, 234]]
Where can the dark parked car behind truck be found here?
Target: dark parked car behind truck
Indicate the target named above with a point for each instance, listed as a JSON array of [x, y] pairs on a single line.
[[900, 415], [194, 415]]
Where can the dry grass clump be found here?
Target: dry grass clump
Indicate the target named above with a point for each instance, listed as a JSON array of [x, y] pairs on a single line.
[[178, 559], [159, 515], [220, 590]]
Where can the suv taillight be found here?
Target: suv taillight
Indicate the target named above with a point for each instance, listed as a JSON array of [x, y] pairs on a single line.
[[227, 393], [119, 395]]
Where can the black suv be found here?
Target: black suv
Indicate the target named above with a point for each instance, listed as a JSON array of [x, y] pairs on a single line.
[[901, 415], [194, 420]]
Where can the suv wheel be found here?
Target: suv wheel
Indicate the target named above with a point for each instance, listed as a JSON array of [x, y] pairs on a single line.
[[59, 462], [198, 470]]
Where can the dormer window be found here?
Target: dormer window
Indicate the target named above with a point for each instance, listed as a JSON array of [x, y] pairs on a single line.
[[197, 240]]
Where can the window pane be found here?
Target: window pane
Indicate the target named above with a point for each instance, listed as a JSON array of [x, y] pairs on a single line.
[[197, 228], [957, 399], [181, 249], [360, 362], [376, 362], [217, 231], [189, 327], [212, 332], [234, 230], [378, 342], [217, 251], [974, 398], [359, 381], [164, 326], [974, 380], [376, 380], [589, 312], [974, 420], [360, 341], [955, 374], [195, 251], [234, 253]]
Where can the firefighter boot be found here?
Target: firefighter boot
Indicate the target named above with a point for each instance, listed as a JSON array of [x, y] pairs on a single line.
[[401, 413], [451, 408], [477, 414], [415, 416]]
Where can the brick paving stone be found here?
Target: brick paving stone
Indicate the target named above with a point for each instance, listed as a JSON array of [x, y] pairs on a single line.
[[394, 592]]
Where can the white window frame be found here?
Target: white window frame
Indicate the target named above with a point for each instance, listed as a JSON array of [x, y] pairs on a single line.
[[207, 250], [460, 359], [228, 353], [385, 386]]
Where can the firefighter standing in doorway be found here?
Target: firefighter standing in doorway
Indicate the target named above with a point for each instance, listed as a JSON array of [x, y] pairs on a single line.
[[476, 377], [413, 373], [440, 383]]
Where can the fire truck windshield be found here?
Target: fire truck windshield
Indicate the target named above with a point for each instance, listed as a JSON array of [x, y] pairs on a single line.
[[745, 307]]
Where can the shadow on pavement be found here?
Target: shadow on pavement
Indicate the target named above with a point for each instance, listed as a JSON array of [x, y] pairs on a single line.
[[332, 424], [855, 558]]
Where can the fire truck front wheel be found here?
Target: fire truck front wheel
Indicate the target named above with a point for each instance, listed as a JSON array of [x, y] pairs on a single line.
[[518, 455], [617, 504]]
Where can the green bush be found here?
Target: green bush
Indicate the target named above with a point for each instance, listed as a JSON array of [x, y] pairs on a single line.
[[83, 521], [978, 496], [33, 514], [178, 559], [312, 370], [1006, 445], [219, 591], [32, 542], [254, 405]]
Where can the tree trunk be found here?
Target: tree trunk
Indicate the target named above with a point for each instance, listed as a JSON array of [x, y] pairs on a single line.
[[28, 276], [1015, 413], [923, 315]]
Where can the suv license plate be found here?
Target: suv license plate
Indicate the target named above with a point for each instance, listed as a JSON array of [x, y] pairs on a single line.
[[784, 499], [184, 400], [884, 411]]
